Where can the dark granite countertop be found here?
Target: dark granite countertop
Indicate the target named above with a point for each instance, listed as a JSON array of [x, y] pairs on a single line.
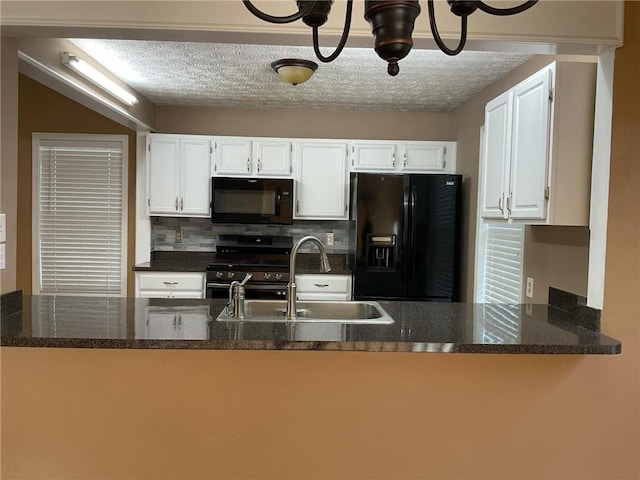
[[165, 261], [122, 323]]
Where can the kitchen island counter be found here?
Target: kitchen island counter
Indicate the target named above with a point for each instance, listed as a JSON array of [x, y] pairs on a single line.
[[124, 323]]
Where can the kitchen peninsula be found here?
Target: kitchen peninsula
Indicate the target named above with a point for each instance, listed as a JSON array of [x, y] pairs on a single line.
[[73, 322]]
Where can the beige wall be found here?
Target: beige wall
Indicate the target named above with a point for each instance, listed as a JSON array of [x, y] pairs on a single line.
[[556, 257], [9, 159], [301, 123], [43, 110]]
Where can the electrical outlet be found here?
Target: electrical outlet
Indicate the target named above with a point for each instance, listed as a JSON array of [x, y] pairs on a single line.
[[3, 227], [529, 292], [330, 239], [178, 234]]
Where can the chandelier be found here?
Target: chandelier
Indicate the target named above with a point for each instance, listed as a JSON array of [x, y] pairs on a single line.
[[391, 22]]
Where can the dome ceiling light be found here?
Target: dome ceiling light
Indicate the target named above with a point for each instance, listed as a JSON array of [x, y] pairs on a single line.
[[391, 22], [293, 70]]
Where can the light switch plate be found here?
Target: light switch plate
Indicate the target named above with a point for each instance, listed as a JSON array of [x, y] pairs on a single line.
[[3, 227], [2, 256]]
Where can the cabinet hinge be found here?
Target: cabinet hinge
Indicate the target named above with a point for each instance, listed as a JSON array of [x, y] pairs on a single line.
[[149, 147], [551, 94], [291, 147], [215, 167], [148, 202], [444, 164], [445, 151], [546, 193], [210, 149], [353, 149]]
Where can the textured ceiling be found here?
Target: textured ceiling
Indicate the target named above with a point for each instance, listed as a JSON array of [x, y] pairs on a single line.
[[229, 75]]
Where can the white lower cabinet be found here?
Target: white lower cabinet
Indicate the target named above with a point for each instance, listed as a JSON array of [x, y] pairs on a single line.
[[180, 323], [323, 287], [170, 285]]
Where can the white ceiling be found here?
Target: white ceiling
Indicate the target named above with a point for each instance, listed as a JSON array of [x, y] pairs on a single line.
[[231, 75]]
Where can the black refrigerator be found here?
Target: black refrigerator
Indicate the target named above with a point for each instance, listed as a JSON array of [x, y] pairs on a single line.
[[407, 235]]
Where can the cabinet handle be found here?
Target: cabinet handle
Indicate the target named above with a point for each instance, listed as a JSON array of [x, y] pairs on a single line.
[[404, 160], [248, 165], [179, 321], [509, 198], [174, 322], [297, 206], [176, 204], [181, 204], [170, 283], [321, 285], [258, 165], [500, 204]]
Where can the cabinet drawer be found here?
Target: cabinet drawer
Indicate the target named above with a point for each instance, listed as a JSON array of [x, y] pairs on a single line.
[[324, 284], [171, 281]]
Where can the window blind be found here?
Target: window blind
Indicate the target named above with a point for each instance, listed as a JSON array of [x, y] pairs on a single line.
[[500, 265], [81, 215]]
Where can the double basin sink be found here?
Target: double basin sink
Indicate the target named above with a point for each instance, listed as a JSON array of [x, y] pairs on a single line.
[[358, 312]]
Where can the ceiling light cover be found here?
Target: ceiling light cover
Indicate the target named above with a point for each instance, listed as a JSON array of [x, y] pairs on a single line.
[[294, 71], [91, 73]]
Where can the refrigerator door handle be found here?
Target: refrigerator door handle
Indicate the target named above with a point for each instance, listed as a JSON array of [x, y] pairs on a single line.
[[404, 256], [412, 238]]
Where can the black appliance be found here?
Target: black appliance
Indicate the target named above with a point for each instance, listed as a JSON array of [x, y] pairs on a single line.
[[407, 236], [265, 257], [251, 200]]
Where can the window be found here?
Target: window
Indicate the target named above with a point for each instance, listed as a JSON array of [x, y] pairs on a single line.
[[499, 282], [80, 214], [499, 264]]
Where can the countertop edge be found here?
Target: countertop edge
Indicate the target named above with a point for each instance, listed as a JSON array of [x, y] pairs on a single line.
[[335, 346]]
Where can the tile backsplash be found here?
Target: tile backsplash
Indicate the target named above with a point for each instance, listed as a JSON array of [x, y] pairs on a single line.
[[199, 234]]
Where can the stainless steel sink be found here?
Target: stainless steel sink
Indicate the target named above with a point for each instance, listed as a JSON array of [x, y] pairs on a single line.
[[308, 311]]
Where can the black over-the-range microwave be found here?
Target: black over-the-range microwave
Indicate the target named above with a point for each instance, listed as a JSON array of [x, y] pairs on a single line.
[[251, 200]]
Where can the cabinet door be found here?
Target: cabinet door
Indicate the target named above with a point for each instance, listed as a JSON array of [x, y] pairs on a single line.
[[161, 325], [272, 157], [195, 177], [530, 147], [194, 325], [495, 156], [321, 186], [232, 156], [163, 175], [373, 156], [423, 157]]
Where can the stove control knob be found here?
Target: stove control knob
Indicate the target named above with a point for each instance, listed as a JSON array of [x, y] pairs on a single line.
[[267, 276], [218, 274], [278, 276], [230, 274]]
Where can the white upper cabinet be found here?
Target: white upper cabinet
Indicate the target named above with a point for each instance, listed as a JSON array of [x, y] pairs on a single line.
[[321, 180], [425, 156], [371, 155], [232, 156], [496, 156], [536, 158], [178, 175], [272, 157], [244, 156], [403, 157]]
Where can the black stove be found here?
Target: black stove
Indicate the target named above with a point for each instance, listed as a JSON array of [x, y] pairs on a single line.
[[266, 258]]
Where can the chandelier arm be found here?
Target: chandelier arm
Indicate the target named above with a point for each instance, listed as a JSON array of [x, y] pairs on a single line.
[[436, 34], [504, 11], [271, 19], [343, 40]]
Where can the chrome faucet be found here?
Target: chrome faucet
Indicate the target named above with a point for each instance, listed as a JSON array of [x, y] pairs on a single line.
[[235, 308], [291, 286]]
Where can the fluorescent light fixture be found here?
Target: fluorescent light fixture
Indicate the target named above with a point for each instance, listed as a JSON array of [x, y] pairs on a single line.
[[101, 80]]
